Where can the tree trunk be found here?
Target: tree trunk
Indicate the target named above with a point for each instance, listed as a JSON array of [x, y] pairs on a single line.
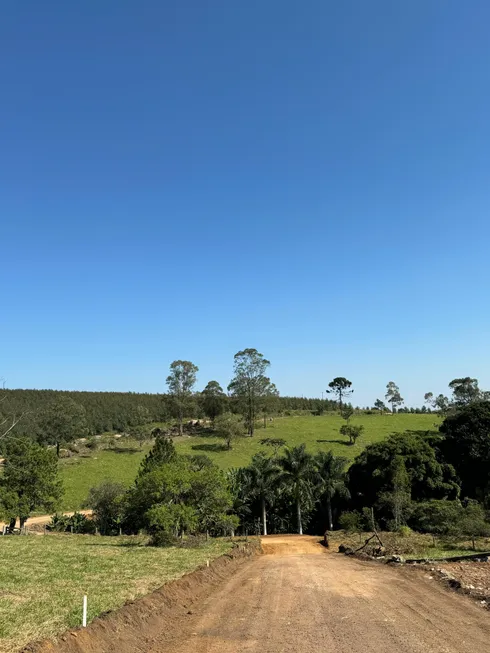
[[58, 449], [298, 513], [264, 518], [265, 423], [12, 524], [22, 521], [329, 513]]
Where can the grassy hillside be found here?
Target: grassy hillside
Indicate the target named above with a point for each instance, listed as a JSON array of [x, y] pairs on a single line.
[[43, 579], [319, 433]]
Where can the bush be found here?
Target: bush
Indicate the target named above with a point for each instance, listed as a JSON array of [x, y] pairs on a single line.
[[163, 538], [351, 521], [92, 444], [404, 531], [107, 501], [77, 523]]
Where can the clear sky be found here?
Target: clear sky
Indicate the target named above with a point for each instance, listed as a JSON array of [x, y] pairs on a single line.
[[186, 179]]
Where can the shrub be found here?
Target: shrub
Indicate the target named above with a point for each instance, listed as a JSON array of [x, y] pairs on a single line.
[[350, 521], [404, 531], [77, 523], [163, 538], [107, 501], [92, 444]]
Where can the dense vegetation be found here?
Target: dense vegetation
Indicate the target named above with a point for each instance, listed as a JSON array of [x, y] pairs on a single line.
[[413, 478]]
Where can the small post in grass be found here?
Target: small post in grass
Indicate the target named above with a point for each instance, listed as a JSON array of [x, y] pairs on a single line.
[[84, 612], [207, 563]]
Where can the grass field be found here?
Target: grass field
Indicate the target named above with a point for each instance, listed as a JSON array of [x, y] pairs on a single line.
[[43, 579], [319, 433]]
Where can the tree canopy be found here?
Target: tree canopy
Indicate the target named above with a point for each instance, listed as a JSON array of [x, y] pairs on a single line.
[[181, 381], [250, 386], [466, 446], [30, 480]]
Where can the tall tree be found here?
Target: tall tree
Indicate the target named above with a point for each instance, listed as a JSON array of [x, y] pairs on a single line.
[[340, 387], [465, 391], [181, 381], [213, 400], [298, 471], [331, 479], [380, 405], [62, 421], [30, 480], [250, 386], [262, 477], [466, 446], [439, 403], [393, 396]]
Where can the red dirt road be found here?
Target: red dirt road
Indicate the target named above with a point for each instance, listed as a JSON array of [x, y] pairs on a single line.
[[301, 598]]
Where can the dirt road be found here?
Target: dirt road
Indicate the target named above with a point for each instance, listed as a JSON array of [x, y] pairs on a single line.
[[300, 598]]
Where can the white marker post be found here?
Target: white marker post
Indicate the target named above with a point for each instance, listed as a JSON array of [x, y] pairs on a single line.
[[84, 614]]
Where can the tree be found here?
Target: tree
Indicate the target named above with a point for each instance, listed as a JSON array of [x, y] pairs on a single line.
[[249, 385], [30, 480], [269, 403], [330, 480], [163, 451], [347, 412], [176, 496], [181, 381], [371, 473], [439, 403], [473, 522], [140, 429], [298, 470], [261, 482], [8, 421], [466, 446], [465, 391], [438, 517], [213, 400], [380, 405], [398, 498], [352, 432], [393, 396], [107, 502], [275, 443], [62, 421], [229, 427], [341, 388]]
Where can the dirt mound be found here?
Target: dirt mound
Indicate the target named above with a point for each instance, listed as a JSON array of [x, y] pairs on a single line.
[[291, 545], [131, 628]]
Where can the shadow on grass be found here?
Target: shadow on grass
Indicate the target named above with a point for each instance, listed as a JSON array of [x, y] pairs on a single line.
[[201, 432], [126, 450], [210, 447], [106, 542], [347, 444]]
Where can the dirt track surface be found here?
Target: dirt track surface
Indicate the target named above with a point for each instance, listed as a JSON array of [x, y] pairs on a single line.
[[300, 598]]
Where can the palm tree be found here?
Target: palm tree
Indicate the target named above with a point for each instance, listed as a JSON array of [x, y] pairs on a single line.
[[297, 474], [262, 479], [330, 479]]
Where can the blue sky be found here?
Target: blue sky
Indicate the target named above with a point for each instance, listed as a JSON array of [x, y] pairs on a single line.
[[187, 179]]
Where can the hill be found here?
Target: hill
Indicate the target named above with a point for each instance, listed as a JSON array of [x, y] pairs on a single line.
[[317, 432]]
